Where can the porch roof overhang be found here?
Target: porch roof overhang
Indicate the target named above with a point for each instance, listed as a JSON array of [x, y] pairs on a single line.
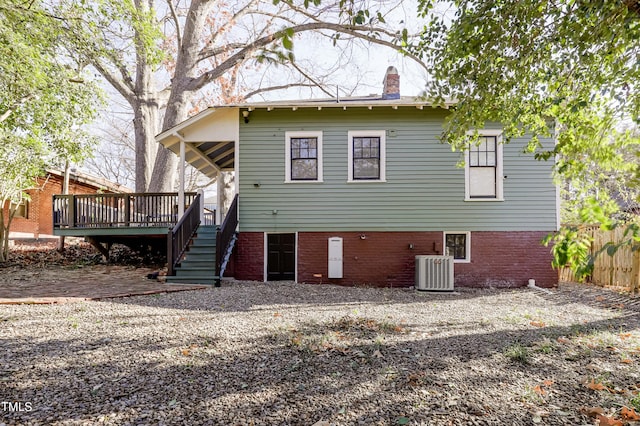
[[210, 138]]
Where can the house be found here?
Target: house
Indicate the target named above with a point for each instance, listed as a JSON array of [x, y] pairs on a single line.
[[371, 175], [34, 218]]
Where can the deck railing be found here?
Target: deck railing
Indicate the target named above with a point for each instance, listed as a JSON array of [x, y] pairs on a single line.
[[115, 210], [180, 235], [225, 237]]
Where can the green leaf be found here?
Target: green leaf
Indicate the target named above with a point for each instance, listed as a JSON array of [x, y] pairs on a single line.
[[402, 421], [287, 43]]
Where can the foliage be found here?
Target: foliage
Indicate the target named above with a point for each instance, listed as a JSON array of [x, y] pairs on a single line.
[[544, 68], [44, 102]]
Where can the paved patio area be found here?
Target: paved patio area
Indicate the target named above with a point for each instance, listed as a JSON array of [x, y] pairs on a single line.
[[44, 285]]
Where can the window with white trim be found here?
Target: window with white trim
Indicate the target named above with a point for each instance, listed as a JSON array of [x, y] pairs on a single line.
[[458, 245], [303, 156], [367, 157], [483, 167]]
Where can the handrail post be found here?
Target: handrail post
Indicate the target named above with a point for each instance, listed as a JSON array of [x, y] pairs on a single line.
[[127, 210], [72, 210], [200, 192], [170, 253]]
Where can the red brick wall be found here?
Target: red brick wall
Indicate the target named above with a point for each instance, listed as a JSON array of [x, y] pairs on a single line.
[[249, 256], [381, 259], [40, 215], [498, 259], [507, 259]]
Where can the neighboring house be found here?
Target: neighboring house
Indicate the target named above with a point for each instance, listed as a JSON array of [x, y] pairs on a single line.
[[34, 218], [372, 172]]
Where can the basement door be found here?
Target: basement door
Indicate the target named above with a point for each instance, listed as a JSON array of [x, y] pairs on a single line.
[[281, 257]]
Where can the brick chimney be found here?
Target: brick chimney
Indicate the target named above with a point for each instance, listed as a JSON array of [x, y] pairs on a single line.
[[391, 89]]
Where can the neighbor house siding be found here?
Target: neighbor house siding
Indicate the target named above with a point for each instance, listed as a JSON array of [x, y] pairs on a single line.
[[424, 188], [39, 220]]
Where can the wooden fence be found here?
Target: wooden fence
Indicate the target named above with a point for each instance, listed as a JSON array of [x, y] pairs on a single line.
[[622, 270]]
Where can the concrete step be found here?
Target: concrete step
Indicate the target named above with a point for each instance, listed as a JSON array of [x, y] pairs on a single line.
[[203, 256], [186, 266], [201, 249], [203, 279]]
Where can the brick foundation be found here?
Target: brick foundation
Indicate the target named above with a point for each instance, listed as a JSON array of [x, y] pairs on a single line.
[[385, 259], [249, 256]]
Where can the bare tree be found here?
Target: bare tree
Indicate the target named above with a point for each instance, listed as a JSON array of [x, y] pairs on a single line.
[[159, 54]]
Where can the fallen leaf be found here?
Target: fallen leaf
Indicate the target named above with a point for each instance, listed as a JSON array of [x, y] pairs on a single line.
[[608, 421], [537, 323], [600, 299], [186, 352], [629, 414], [592, 411], [563, 340], [402, 421], [626, 361], [596, 386], [538, 389], [624, 336], [277, 314]]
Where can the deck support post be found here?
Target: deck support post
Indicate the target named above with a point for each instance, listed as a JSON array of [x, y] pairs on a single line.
[[102, 249]]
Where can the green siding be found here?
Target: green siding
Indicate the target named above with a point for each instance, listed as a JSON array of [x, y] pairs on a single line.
[[424, 188]]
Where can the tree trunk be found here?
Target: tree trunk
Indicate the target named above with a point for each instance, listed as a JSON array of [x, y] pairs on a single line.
[[164, 169], [65, 191], [145, 125], [4, 242], [4, 230]]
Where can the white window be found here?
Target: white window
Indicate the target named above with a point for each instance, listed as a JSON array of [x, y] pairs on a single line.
[[367, 158], [303, 156], [483, 167], [458, 245]]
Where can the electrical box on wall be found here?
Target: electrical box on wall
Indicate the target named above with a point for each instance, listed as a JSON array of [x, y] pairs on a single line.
[[335, 257]]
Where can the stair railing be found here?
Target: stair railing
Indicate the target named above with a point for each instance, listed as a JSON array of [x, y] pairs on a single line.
[[225, 237], [180, 235]]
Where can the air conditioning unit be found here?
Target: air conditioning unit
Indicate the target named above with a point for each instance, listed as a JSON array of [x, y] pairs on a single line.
[[434, 273]]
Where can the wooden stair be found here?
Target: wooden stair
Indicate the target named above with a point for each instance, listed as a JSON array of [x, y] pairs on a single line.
[[199, 263]]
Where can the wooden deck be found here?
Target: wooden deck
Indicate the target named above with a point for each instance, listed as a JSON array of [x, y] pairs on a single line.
[[119, 215]]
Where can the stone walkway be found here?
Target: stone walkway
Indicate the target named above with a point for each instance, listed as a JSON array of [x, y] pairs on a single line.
[[60, 284]]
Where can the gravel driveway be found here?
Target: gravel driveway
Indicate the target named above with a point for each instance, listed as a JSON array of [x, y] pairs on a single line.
[[295, 354]]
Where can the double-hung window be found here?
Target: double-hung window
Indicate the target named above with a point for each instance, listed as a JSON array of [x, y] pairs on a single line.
[[367, 156], [303, 157], [483, 167]]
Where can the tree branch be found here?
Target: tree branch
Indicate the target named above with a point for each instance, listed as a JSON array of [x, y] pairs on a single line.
[[281, 87], [357, 31], [311, 79], [124, 86], [10, 110], [174, 16]]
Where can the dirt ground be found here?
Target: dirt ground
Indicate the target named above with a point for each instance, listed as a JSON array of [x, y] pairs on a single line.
[[284, 353], [39, 273]]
